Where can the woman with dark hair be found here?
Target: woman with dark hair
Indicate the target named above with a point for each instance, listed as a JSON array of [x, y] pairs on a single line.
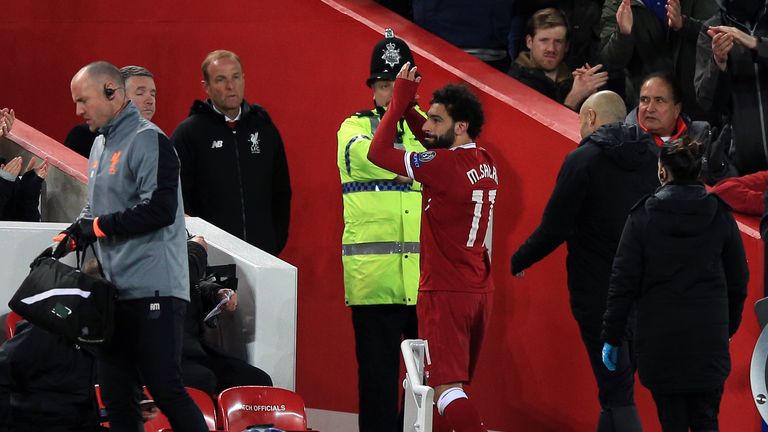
[[680, 266]]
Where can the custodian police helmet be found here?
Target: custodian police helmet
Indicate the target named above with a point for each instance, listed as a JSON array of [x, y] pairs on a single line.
[[389, 55]]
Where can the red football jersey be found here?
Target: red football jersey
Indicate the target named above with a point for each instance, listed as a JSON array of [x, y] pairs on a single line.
[[458, 189]]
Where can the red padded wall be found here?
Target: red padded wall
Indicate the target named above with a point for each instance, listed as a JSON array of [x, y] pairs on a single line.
[[306, 62]]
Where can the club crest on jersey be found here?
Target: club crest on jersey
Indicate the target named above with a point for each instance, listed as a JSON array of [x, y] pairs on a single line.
[[391, 55], [255, 149]]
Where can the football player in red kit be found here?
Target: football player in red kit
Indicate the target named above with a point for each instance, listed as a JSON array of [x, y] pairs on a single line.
[[459, 182]]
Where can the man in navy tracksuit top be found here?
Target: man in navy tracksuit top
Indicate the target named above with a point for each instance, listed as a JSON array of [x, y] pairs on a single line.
[[135, 212]]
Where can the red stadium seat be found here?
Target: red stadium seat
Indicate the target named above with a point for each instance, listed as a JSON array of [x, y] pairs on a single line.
[[10, 324], [240, 407], [203, 401]]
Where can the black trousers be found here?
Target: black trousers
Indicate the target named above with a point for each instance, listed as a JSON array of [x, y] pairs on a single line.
[[216, 371], [379, 329], [680, 411], [615, 388], [146, 349]]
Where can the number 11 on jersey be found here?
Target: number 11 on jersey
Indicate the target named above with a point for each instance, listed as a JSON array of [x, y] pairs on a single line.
[[478, 198]]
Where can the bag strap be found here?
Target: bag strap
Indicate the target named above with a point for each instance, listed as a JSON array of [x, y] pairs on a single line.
[[61, 248]]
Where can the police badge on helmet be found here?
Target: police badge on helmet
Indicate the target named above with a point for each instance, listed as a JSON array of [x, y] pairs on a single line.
[[388, 56]]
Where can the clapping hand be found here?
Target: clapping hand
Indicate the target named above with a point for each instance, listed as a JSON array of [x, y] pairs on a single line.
[[624, 17], [7, 117], [13, 167], [674, 17]]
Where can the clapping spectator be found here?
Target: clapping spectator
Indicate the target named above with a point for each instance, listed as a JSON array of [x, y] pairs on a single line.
[[7, 117], [645, 37], [20, 196], [542, 68], [731, 73]]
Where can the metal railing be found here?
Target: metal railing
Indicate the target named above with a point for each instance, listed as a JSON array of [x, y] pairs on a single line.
[[419, 397]]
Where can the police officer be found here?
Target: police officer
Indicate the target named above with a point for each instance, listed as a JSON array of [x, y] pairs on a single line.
[[380, 245]]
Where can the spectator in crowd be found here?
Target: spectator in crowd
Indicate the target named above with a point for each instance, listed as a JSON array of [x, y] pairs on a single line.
[[204, 366], [480, 28], [7, 117], [583, 21], [542, 68], [744, 194], [660, 111], [599, 182], [234, 172], [380, 244], [46, 384], [460, 182], [732, 72], [19, 197], [686, 312], [134, 214], [140, 89], [643, 37]]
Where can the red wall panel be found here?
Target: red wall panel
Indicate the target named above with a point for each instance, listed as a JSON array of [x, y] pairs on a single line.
[[306, 61]]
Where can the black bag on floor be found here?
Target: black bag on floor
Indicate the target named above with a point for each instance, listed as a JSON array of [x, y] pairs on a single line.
[[65, 301]]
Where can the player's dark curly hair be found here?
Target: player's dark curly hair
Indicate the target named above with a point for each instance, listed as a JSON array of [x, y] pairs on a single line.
[[462, 105], [682, 157]]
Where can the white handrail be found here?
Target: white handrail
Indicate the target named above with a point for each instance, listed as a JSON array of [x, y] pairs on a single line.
[[419, 398]]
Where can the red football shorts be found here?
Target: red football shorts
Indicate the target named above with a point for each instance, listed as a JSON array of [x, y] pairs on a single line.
[[454, 325]]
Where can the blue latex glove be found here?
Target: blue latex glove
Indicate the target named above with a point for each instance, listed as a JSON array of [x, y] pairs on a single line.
[[610, 356]]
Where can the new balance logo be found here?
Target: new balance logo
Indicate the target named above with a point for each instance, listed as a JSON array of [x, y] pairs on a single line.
[[154, 306], [217, 144]]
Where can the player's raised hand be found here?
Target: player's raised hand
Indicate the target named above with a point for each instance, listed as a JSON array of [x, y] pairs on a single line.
[[408, 73]]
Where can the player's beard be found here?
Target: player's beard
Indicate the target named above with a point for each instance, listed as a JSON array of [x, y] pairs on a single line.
[[440, 141]]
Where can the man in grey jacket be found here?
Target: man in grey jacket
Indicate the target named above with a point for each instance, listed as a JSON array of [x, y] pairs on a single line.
[[134, 213]]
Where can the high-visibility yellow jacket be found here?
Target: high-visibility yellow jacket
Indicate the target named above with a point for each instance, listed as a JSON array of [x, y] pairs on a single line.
[[382, 218]]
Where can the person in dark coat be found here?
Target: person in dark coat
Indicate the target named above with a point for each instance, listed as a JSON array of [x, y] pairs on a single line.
[[613, 167], [203, 366], [234, 171], [731, 74], [681, 265], [20, 196], [642, 37], [46, 384]]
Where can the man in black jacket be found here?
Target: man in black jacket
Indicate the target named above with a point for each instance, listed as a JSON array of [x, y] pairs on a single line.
[[203, 366], [543, 69], [46, 384], [234, 172], [613, 167], [732, 72]]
